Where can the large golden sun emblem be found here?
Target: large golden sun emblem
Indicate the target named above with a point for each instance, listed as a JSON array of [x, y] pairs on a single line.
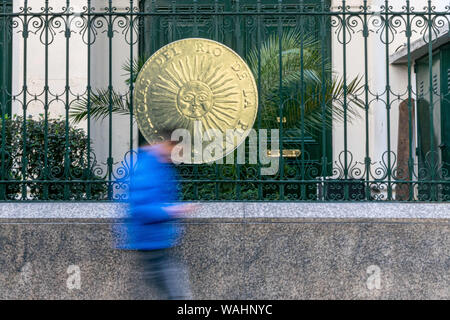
[[199, 91], [196, 81]]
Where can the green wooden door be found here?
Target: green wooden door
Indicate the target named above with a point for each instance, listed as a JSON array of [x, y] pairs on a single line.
[[245, 33], [444, 145], [433, 120]]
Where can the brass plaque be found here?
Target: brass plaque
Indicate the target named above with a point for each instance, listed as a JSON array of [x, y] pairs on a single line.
[[287, 153], [196, 84]]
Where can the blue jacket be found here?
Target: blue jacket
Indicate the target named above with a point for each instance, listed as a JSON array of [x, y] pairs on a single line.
[[152, 186]]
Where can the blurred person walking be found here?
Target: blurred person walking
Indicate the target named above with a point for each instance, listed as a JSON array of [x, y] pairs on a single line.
[[152, 227]]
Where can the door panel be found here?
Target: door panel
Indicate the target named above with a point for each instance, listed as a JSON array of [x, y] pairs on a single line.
[[433, 121], [243, 33]]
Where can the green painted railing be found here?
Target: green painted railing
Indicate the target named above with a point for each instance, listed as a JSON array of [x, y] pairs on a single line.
[[53, 146]]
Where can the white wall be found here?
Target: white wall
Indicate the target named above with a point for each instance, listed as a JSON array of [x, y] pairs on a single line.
[[377, 76]]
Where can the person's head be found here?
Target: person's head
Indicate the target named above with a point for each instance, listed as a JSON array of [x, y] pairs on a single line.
[[165, 144]]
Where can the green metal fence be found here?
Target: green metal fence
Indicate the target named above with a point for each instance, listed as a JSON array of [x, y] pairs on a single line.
[[326, 77]]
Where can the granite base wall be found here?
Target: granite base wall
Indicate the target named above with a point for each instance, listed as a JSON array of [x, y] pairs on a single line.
[[234, 258]]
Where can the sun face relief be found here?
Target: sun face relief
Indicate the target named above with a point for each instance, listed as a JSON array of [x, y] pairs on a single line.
[[193, 81], [195, 99]]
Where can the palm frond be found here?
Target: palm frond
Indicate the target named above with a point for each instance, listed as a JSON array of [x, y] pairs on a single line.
[[132, 67], [306, 83], [99, 106], [99, 102]]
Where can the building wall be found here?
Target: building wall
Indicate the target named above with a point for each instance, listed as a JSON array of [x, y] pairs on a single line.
[[378, 67]]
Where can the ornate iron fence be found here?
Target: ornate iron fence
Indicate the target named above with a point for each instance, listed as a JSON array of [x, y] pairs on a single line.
[[359, 94]]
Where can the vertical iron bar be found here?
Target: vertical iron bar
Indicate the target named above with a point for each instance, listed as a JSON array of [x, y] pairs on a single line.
[[154, 21], [110, 89], [24, 106], [196, 166], [3, 93], [258, 45], [433, 189], [131, 84], [67, 105], [324, 158], [238, 28], [302, 102], [46, 105], [240, 51], [89, 88], [410, 106], [195, 169], [280, 91], [195, 18], [173, 21], [344, 24], [216, 37], [366, 102], [216, 20], [388, 104]]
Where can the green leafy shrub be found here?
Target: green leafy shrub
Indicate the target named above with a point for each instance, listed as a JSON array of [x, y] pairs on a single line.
[[38, 165]]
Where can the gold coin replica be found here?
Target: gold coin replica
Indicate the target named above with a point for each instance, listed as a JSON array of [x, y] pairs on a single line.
[[199, 85]]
